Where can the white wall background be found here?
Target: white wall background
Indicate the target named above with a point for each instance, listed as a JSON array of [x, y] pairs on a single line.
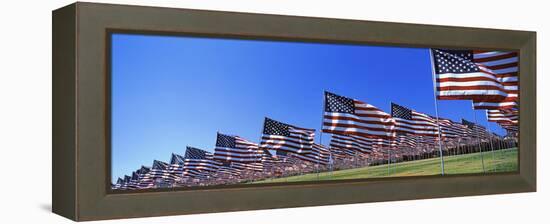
[[25, 111]]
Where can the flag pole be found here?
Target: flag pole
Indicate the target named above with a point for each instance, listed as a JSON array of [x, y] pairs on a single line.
[[491, 140], [321, 133], [389, 161], [437, 114], [478, 139]]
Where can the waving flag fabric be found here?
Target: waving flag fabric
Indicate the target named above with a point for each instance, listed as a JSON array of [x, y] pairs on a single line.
[[350, 142], [288, 138], [503, 116], [196, 153], [504, 66], [258, 167], [408, 121], [199, 160], [451, 129], [475, 130], [236, 149], [407, 141], [347, 116], [458, 77], [319, 155], [510, 128]]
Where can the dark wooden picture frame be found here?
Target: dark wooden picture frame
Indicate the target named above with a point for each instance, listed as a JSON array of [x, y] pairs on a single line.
[[81, 116]]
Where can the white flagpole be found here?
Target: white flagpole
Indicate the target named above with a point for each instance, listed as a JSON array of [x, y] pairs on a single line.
[[491, 141], [321, 133], [389, 161], [478, 139], [437, 114]]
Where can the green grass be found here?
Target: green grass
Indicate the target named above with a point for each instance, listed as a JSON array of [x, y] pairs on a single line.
[[500, 161]]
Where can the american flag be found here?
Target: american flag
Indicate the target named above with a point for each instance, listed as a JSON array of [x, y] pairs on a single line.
[[319, 155], [176, 159], [510, 128], [451, 129], [428, 140], [350, 142], [196, 153], [379, 142], [134, 181], [288, 138], [407, 141], [236, 149], [228, 171], [504, 66], [197, 162], [125, 181], [159, 173], [475, 130], [258, 167], [458, 77], [503, 116], [162, 171], [342, 153], [408, 121], [145, 179], [346, 116], [119, 183], [268, 160]]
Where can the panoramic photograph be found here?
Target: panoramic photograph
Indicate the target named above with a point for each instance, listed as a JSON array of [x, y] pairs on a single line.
[[205, 111]]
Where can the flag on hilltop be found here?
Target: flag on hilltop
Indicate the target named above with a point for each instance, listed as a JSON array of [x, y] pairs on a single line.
[[458, 77], [350, 142], [451, 129], [196, 153], [319, 155], [159, 173], [236, 149], [347, 116], [407, 141], [134, 181], [408, 121], [475, 130], [197, 162], [381, 143], [145, 179], [176, 159], [162, 171], [504, 66], [287, 138], [257, 167]]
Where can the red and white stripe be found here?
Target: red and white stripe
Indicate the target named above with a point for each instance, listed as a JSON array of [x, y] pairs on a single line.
[[245, 152], [350, 142], [450, 129], [504, 65], [503, 116], [300, 140], [419, 124], [319, 155], [365, 121], [483, 84]]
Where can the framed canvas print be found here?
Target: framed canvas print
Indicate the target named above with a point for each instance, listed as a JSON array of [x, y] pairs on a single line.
[[201, 111]]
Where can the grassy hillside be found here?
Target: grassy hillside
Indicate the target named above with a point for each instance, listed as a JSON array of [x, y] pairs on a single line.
[[500, 161]]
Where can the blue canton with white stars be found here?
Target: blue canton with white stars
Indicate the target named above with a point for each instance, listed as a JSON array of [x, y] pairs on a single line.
[[273, 127], [195, 153], [401, 112], [338, 104], [454, 61], [225, 141]]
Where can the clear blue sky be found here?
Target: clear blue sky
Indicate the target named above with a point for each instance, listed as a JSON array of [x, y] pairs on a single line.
[[169, 92]]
